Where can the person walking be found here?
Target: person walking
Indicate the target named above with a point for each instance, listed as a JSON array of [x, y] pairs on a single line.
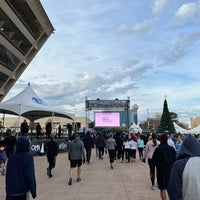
[[184, 180], [133, 148], [164, 157], [101, 145], [20, 175], [140, 146], [150, 147], [127, 148], [111, 145], [51, 149], [88, 144], [119, 146], [76, 155]]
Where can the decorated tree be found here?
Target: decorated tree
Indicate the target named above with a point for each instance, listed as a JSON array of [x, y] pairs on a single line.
[[166, 123]]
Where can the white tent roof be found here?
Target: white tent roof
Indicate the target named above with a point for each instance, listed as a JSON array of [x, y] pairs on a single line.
[[135, 128], [27, 104], [195, 130], [180, 129]]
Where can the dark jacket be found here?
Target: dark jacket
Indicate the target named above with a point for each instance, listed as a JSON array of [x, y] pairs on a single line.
[[164, 157], [100, 141], [10, 143], [185, 178], [51, 148], [88, 141], [20, 174]]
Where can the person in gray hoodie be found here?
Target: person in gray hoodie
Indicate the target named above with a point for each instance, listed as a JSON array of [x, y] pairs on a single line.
[[76, 155], [184, 181]]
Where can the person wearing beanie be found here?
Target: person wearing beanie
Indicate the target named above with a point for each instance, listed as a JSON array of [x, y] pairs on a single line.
[[20, 176], [164, 157]]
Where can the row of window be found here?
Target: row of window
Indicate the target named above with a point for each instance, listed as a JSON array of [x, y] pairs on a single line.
[[10, 31], [25, 14]]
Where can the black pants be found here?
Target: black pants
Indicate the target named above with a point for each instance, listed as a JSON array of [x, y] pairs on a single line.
[[111, 153], [152, 170], [88, 154], [52, 162], [101, 151]]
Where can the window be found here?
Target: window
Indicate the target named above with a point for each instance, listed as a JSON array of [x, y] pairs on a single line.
[[13, 34], [7, 59], [23, 11], [3, 78]]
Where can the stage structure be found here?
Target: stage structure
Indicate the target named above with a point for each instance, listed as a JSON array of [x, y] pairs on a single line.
[[107, 105]]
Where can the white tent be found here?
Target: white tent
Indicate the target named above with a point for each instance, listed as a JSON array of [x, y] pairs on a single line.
[[180, 129], [135, 128], [195, 130], [27, 104]]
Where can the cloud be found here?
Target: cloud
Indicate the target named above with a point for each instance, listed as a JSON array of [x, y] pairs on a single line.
[[187, 12], [159, 6], [144, 27]]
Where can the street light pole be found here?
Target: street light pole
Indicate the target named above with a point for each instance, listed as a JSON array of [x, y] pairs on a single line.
[[148, 119]]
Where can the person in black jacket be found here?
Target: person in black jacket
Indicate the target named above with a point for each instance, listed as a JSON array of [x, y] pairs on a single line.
[[38, 130], [51, 149], [24, 128], [101, 144], [20, 175], [88, 144], [164, 157]]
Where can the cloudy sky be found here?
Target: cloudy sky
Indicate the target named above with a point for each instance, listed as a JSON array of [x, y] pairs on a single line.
[[145, 50]]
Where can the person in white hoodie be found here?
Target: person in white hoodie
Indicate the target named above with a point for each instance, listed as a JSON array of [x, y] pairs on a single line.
[[148, 154], [133, 148]]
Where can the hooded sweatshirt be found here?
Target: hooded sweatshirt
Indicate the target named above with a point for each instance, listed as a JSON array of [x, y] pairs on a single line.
[[185, 177], [20, 175], [76, 150]]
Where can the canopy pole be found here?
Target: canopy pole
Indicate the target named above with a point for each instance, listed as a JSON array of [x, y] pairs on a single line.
[[18, 128], [52, 119]]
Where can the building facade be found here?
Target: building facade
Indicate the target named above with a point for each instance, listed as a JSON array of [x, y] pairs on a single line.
[[194, 122], [24, 28]]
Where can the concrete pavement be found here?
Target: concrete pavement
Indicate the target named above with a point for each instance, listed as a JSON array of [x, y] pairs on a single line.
[[127, 181]]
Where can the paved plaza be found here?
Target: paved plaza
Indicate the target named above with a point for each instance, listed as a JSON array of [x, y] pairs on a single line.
[[127, 181]]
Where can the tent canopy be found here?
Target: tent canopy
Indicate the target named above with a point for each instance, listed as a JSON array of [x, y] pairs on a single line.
[[135, 128], [28, 105], [180, 129], [195, 130]]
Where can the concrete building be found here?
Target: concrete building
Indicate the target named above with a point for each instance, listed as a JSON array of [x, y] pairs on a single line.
[[24, 28], [194, 122]]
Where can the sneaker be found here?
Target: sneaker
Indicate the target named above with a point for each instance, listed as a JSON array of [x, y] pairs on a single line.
[[78, 179], [48, 172], [88, 162], [50, 175], [111, 167], [70, 181], [153, 187]]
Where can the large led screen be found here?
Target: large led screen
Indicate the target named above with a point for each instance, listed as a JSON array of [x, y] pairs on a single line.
[[107, 119]]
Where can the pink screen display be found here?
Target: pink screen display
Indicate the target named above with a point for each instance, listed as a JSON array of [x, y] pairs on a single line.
[[107, 119]]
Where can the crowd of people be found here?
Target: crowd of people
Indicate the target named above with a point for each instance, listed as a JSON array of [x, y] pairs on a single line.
[[173, 160]]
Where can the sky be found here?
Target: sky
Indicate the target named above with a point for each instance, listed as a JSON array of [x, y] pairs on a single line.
[[145, 50]]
